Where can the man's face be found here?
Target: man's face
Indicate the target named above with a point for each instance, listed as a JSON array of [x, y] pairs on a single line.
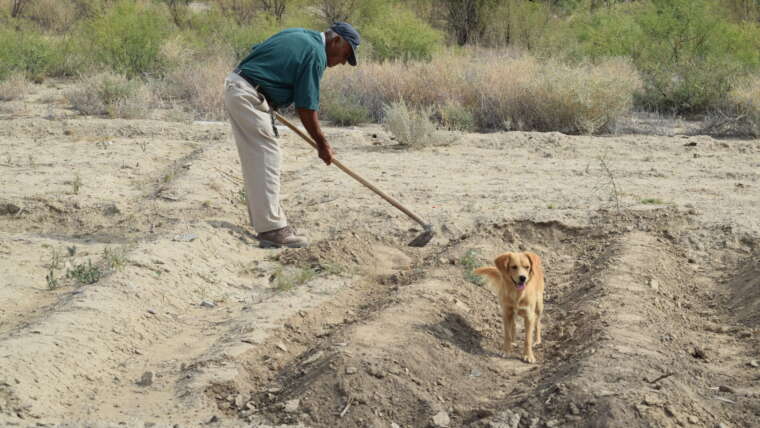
[[338, 51]]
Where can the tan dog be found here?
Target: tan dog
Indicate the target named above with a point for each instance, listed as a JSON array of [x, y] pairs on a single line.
[[519, 280]]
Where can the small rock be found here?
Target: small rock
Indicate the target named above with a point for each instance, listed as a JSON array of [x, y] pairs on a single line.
[[282, 347], [754, 364], [185, 237], [111, 210], [314, 357], [239, 401], [152, 311], [9, 208], [574, 409], [721, 425], [726, 388], [146, 379], [552, 423], [291, 406], [652, 400], [351, 370], [698, 352], [207, 304], [441, 419], [214, 419], [693, 419], [395, 425], [654, 284]]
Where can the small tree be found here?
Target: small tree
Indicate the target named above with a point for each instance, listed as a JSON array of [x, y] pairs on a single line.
[[467, 18], [17, 6], [275, 8], [336, 10]]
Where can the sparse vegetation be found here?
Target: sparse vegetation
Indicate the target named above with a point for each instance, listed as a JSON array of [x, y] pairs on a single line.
[[115, 259], [411, 128], [470, 261], [84, 273], [14, 87], [652, 201], [288, 278]]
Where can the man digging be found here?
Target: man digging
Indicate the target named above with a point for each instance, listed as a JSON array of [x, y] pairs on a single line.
[[284, 69]]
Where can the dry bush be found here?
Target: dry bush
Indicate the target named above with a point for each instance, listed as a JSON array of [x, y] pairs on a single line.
[[199, 84], [411, 127], [498, 91], [740, 113], [15, 86], [55, 15], [113, 95], [525, 94]]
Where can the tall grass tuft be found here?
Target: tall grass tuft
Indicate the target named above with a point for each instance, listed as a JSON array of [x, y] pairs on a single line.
[[112, 95], [13, 87], [497, 92], [411, 127]]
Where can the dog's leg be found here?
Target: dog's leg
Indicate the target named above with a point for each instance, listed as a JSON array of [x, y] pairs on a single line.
[[508, 321], [539, 312], [530, 320]]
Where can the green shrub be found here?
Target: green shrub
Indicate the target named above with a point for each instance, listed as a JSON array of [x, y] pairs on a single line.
[[26, 51], [456, 117], [689, 54], [399, 34], [343, 109], [128, 37]]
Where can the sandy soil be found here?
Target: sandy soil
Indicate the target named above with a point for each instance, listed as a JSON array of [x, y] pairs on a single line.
[[650, 244]]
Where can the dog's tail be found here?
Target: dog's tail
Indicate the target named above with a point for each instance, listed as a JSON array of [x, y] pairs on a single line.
[[492, 273]]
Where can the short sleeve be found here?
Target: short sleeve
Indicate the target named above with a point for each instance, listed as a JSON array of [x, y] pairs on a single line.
[[306, 88]]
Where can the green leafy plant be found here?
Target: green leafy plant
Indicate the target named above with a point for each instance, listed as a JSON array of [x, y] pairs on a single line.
[[470, 261], [84, 273], [285, 279]]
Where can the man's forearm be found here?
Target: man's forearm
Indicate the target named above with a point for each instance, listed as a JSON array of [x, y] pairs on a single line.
[[310, 121]]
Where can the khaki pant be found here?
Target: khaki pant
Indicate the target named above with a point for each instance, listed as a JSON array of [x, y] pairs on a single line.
[[259, 153]]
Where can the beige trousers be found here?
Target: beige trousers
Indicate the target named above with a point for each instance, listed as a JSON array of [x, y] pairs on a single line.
[[259, 153]]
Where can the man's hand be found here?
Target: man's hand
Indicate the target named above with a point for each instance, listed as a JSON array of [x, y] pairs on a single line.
[[325, 152], [310, 121]]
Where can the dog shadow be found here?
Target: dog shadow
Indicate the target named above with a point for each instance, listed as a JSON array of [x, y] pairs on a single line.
[[458, 332]]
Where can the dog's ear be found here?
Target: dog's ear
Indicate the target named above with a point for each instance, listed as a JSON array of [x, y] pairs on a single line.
[[489, 271], [502, 261], [535, 262]]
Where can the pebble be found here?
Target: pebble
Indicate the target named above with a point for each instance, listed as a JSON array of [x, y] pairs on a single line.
[[726, 388], [207, 304], [693, 419], [146, 379], [282, 347], [654, 284], [291, 406], [754, 364], [351, 370], [152, 311], [441, 419]]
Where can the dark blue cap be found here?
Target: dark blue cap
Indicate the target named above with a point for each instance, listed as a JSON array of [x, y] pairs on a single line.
[[349, 34]]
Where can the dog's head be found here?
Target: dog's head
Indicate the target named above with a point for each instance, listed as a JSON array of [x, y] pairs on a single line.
[[518, 267]]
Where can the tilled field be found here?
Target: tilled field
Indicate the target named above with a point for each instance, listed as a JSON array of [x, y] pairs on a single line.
[[132, 292]]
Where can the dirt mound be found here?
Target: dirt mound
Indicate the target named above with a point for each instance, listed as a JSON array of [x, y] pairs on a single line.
[[352, 251], [428, 351], [745, 291]]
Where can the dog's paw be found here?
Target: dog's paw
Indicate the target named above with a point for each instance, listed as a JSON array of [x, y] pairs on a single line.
[[529, 358]]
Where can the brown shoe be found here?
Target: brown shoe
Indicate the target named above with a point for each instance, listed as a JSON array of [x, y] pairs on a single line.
[[285, 237]]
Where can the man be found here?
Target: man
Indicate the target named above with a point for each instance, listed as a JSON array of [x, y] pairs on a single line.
[[284, 69]]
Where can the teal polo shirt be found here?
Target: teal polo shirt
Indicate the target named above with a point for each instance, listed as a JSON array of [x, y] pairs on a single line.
[[288, 67]]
